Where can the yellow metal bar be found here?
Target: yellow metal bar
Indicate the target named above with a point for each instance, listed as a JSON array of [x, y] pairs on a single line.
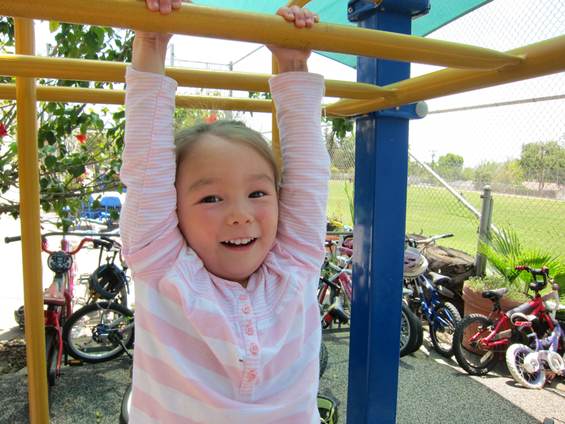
[[85, 95], [204, 21], [299, 3], [543, 58], [31, 237], [275, 137], [94, 70]]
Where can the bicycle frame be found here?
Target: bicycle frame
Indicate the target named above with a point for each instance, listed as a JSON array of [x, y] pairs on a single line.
[[429, 304], [500, 336]]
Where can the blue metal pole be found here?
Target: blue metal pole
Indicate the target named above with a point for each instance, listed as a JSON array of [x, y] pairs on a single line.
[[381, 166]]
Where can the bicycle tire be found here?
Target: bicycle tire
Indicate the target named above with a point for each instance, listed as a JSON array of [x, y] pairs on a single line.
[[126, 406], [452, 319], [108, 281], [515, 362], [409, 324], [97, 349], [323, 358], [463, 332], [419, 331], [51, 354]]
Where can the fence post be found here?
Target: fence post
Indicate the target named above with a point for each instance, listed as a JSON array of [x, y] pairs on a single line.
[[484, 228]]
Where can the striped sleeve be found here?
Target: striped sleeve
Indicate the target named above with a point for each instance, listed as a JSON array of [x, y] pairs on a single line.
[[304, 189], [148, 221]]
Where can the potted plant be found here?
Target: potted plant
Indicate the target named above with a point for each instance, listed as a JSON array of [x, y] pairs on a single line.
[[504, 252]]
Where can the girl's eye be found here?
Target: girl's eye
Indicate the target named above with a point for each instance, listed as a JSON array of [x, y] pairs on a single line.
[[210, 199], [257, 194]]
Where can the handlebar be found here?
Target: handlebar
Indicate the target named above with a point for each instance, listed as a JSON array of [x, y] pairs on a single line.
[[534, 271], [415, 243], [104, 241]]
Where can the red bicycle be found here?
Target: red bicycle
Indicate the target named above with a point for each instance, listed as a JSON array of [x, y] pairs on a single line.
[[479, 341], [58, 297]]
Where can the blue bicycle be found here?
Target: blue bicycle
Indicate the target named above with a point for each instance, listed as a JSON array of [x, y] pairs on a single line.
[[428, 290]]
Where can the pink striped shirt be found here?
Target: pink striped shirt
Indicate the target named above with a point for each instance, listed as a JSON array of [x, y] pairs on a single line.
[[208, 350]]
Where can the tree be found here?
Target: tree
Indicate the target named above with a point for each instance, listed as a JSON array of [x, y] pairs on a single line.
[[79, 146], [484, 174], [450, 166], [340, 143], [544, 162]]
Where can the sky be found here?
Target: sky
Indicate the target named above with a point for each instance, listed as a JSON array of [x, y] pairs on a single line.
[[479, 135]]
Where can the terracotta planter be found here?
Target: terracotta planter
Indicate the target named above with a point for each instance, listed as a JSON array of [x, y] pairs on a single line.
[[475, 303]]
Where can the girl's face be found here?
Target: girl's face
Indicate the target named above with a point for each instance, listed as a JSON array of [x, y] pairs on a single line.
[[227, 206]]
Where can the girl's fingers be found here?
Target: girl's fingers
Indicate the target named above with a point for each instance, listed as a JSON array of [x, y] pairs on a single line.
[[302, 18], [176, 4], [165, 7]]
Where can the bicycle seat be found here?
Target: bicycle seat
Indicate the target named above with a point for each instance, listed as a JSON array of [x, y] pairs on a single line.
[[438, 279], [52, 296], [495, 295]]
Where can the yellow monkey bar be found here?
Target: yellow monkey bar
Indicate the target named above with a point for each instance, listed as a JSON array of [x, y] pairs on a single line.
[[484, 68], [254, 27], [95, 70]]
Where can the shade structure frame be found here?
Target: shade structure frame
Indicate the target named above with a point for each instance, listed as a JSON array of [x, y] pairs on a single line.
[[205, 21]]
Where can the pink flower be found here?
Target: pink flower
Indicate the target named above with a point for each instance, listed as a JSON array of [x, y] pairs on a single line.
[[3, 131]]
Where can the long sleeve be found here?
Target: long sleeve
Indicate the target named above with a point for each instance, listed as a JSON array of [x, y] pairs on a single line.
[[148, 222], [304, 189]]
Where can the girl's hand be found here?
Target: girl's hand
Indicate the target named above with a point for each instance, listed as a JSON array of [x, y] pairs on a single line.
[[150, 48], [294, 59]]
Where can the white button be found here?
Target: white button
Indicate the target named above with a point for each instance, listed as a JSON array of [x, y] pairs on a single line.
[[254, 349], [246, 309]]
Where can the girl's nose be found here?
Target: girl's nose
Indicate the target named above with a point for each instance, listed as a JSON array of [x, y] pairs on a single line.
[[240, 214]]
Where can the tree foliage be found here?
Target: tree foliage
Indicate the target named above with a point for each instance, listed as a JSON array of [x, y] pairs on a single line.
[[450, 166], [543, 162]]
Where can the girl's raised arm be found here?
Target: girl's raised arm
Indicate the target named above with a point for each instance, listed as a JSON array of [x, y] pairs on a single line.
[[148, 222], [303, 196]]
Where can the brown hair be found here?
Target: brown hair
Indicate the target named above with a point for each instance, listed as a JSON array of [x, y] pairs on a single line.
[[231, 130]]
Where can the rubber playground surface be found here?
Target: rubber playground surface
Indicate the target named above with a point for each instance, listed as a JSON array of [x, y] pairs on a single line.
[[430, 391]]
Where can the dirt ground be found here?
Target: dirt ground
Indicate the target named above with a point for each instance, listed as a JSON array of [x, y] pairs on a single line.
[[12, 355]]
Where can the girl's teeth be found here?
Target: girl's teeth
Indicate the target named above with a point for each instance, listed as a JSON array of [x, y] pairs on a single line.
[[240, 241]]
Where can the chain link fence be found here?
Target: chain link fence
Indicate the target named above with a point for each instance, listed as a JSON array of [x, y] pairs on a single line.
[[511, 137]]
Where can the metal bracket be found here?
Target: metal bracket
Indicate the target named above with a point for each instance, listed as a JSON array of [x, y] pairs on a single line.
[[359, 10], [417, 110]]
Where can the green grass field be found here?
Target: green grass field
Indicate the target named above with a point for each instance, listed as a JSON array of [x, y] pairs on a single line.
[[538, 222]]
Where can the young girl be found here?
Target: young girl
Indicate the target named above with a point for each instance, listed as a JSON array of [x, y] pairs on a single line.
[[225, 253]]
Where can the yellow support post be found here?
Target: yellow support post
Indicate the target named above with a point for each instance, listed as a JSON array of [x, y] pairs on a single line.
[[31, 236], [95, 70], [204, 21], [275, 137]]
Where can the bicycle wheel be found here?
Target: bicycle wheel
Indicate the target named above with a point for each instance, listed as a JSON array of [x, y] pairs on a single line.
[[515, 356], [470, 356], [126, 406], [93, 332], [442, 329], [409, 325]]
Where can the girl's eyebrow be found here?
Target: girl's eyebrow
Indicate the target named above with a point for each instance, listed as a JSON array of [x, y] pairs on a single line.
[[202, 182], [261, 176]]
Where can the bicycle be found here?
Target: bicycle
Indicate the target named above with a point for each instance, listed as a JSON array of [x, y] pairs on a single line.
[[479, 340], [58, 297], [335, 292], [531, 366], [426, 295]]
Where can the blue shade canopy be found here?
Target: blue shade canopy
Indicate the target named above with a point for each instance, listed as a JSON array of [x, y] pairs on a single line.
[[441, 13]]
